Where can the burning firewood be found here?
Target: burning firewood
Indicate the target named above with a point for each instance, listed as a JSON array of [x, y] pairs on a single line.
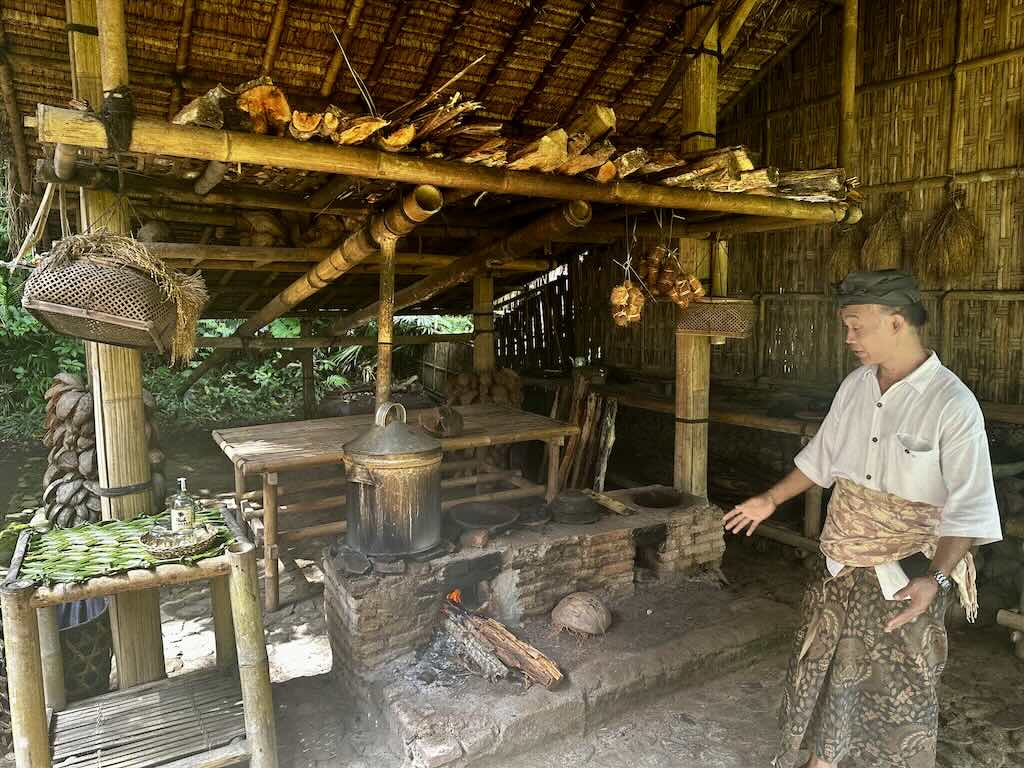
[[492, 647], [266, 104]]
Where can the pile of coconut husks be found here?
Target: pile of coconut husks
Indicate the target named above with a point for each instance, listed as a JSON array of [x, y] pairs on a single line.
[[444, 127]]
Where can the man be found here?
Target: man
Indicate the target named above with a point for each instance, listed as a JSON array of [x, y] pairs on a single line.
[[904, 446]]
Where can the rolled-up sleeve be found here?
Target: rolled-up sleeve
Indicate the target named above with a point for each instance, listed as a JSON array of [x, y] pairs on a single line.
[[970, 509], [816, 458]]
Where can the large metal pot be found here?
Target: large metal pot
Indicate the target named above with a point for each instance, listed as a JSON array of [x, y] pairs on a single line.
[[394, 489]]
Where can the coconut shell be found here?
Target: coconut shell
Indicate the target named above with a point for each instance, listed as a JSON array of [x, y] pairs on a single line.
[[68, 460], [93, 486], [56, 390], [70, 379], [582, 613], [87, 463], [51, 488], [84, 442], [52, 511], [51, 474], [80, 497], [83, 515], [89, 428], [66, 518], [66, 404], [70, 440], [66, 492], [93, 503]]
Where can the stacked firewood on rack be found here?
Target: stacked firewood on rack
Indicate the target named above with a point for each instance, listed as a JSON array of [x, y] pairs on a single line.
[[71, 483], [440, 125], [585, 456], [500, 386]]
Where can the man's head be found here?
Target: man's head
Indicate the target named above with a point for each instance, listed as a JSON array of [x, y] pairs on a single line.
[[882, 313]]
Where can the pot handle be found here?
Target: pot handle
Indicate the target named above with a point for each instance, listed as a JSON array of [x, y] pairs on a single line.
[[357, 473], [384, 410]]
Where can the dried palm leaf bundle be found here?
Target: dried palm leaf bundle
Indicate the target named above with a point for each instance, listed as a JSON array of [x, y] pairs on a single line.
[[847, 243], [949, 242], [883, 248]]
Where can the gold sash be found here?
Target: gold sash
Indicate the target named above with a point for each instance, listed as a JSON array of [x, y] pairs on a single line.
[[865, 528]]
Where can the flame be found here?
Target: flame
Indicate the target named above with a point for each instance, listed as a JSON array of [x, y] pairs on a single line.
[[455, 596]]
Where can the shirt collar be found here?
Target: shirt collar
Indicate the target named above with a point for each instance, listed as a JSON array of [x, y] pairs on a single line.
[[920, 377]]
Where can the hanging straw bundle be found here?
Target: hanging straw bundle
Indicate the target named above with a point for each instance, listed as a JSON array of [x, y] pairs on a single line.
[[845, 258], [187, 292], [883, 248], [949, 242]]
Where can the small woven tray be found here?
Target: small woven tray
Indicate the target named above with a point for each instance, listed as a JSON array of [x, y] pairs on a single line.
[[74, 555], [173, 545]]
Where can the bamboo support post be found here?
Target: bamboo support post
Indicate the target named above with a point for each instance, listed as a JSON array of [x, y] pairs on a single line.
[[115, 373], [270, 564], [22, 165], [483, 323], [554, 458], [848, 86], [55, 125], [223, 623], [697, 123], [52, 658], [25, 677], [385, 321], [308, 375], [1010, 619], [569, 216], [253, 666], [240, 493]]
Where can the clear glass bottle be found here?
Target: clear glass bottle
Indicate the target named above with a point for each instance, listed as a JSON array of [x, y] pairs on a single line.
[[182, 509]]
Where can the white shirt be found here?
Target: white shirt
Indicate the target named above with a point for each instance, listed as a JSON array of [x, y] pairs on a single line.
[[923, 440]]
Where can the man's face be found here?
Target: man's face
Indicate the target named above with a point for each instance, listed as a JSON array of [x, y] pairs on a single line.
[[872, 332]]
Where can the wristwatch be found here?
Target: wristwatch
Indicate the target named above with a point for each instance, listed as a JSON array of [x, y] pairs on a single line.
[[944, 582]]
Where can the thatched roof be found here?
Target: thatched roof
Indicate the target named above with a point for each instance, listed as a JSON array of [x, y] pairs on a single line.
[[543, 62]]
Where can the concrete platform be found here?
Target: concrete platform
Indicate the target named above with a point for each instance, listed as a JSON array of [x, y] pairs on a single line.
[[663, 638]]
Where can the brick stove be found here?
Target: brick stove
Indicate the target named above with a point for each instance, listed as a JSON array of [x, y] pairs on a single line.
[[376, 619]]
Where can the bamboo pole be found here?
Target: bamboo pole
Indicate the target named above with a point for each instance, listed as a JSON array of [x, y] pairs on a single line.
[[52, 658], [570, 216], [308, 374], [24, 677], [274, 37], [783, 535], [21, 161], [253, 666], [55, 125], [99, 65], [483, 323], [334, 67], [697, 124], [317, 342], [385, 321], [223, 623], [848, 86], [735, 24]]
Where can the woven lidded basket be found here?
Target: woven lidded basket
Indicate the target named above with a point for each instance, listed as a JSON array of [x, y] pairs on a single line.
[[109, 303], [714, 316]]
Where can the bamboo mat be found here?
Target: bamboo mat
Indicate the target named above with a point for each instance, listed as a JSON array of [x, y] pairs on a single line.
[[296, 444], [150, 725]]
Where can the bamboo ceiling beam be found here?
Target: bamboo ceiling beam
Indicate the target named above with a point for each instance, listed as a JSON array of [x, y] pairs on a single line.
[[689, 54], [526, 19], [848, 86], [631, 20], [572, 215], [735, 24], [555, 61], [260, 256], [440, 51], [55, 125], [398, 17], [334, 67], [329, 192], [181, 60], [274, 38], [322, 342]]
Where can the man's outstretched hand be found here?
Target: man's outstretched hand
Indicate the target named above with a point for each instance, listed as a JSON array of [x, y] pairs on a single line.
[[750, 514]]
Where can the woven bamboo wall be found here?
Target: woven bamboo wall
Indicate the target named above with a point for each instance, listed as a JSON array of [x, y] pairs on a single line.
[[917, 59], [533, 331]]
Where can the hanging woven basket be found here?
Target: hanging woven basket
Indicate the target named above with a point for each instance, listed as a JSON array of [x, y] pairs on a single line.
[[714, 316], [108, 288]]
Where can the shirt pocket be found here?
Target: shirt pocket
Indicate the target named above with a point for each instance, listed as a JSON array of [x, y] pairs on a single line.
[[913, 470]]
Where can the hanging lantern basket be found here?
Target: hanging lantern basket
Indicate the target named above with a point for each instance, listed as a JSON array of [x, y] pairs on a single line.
[[714, 316], [108, 288]]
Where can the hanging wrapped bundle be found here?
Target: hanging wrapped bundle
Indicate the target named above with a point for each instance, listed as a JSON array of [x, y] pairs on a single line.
[[845, 258], [635, 304], [686, 290], [667, 277], [619, 300], [949, 242], [883, 248], [109, 288], [655, 259]]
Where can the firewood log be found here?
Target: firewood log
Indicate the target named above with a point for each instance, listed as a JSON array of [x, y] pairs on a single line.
[[398, 139], [606, 173], [266, 105], [544, 154], [357, 129], [305, 125], [630, 162]]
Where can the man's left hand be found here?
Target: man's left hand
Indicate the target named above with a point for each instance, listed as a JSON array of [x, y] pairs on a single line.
[[920, 592]]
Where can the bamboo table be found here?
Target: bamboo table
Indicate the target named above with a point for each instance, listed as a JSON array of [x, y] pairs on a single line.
[[192, 720], [268, 449]]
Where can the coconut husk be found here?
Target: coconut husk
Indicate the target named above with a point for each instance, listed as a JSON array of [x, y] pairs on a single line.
[[847, 243], [188, 292], [883, 248], [947, 250]]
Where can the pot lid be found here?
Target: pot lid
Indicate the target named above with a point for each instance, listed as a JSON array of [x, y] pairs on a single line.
[[388, 437]]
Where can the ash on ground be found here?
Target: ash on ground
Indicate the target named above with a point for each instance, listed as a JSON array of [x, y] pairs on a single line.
[[441, 664]]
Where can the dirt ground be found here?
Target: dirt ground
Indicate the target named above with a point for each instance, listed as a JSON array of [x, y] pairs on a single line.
[[728, 723]]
